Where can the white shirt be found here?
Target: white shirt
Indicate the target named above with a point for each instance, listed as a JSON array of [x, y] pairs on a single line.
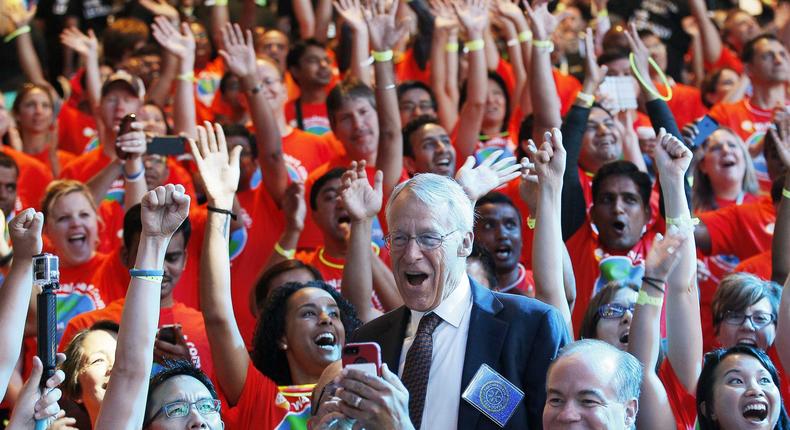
[[447, 359]]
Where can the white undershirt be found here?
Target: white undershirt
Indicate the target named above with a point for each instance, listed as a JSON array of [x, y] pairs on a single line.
[[447, 360]]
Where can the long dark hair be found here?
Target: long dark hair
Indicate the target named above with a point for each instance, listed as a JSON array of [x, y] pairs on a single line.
[[266, 353], [707, 381]]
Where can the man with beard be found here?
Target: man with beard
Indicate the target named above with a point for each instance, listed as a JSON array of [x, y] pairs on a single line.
[[498, 231]]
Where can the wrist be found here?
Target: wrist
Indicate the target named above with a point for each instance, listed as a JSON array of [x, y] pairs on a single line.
[[225, 203], [248, 82]]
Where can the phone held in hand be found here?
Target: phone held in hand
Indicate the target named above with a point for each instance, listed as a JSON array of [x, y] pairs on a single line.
[[167, 145], [167, 333], [123, 128], [621, 90], [364, 356], [705, 127]]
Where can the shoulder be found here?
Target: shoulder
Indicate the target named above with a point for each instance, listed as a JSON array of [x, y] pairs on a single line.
[[379, 327]]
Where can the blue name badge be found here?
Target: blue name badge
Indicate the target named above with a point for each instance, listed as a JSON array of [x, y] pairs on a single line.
[[493, 395]]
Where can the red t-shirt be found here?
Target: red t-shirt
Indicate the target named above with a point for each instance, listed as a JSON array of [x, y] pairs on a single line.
[[525, 284], [683, 403], [250, 248], [264, 405], [76, 129], [406, 69], [191, 321], [686, 103], [751, 123], [331, 270], [727, 59], [527, 234], [760, 265], [314, 117], [594, 266], [742, 230], [305, 152], [78, 293], [34, 176]]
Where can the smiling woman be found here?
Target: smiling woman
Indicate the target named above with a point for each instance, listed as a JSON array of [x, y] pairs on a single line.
[[739, 388]]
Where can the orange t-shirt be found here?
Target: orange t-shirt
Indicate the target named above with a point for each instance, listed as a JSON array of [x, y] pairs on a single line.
[[685, 104], [760, 265], [64, 158], [331, 270], [304, 152], [191, 321], [250, 248], [77, 293], [406, 69], [76, 129], [751, 123], [727, 59], [567, 88], [206, 88], [34, 176]]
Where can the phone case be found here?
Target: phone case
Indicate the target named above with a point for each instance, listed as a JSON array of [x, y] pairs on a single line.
[[365, 356]]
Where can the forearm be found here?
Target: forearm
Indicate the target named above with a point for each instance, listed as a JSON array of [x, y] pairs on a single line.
[[357, 285], [655, 411], [390, 151], [136, 189], [709, 34], [447, 112], [780, 257], [159, 93], [661, 116], [360, 47], [574, 209], [184, 115], [303, 10], [93, 83], [323, 16], [697, 61], [288, 241], [219, 17], [547, 253], [631, 150], [127, 390], [543, 91], [14, 299], [227, 346], [644, 335], [267, 136], [28, 59], [783, 327], [568, 278], [473, 110], [102, 181], [384, 285]]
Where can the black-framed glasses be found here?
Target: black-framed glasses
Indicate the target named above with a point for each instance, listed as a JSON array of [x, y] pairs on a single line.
[[181, 408], [613, 310], [757, 319], [426, 241]]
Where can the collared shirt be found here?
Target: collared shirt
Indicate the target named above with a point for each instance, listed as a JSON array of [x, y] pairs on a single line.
[[447, 361]]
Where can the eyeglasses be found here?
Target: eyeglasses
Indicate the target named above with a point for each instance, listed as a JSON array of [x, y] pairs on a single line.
[[426, 241], [758, 319], [613, 310], [181, 408]]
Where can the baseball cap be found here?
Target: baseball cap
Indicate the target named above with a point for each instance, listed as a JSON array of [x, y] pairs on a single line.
[[128, 81]]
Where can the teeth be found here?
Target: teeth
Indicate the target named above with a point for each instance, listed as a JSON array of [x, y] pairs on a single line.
[[325, 339], [755, 407]]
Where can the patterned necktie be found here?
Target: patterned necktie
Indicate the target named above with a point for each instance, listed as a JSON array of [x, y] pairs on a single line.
[[418, 366]]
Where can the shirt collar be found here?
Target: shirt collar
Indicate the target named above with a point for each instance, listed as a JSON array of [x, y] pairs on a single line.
[[451, 309]]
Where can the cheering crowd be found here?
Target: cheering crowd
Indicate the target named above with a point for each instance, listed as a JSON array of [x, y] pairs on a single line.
[[544, 214]]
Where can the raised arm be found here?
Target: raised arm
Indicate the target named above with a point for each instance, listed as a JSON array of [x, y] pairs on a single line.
[[294, 208], [163, 211], [684, 328], [159, 90], [780, 255], [220, 172], [708, 33], [473, 16], [644, 337], [87, 46], [239, 56], [547, 253], [363, 204], [384, 35], [444, 62], [26, 52], [489, 175], [513, 22], [351, 12], [181, 47], [25, 232], [543, 92]]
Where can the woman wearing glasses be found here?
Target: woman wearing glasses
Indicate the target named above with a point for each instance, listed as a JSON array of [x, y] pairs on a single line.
[[608, 317]]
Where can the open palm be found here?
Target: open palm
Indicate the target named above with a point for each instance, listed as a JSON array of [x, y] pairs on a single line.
[[239, 52], [218, 168], [181, 44], [360, 199], [473, 15], [83, 44]]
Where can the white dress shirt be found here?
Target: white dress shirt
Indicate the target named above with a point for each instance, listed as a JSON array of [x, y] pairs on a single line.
[[447, 360]]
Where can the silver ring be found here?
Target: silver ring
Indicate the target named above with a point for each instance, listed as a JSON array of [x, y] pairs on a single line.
[[357, 402]]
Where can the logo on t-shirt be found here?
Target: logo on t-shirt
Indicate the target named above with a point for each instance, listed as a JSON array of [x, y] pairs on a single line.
[[75, 299], [296, 171], [621, 268], [296, 400]]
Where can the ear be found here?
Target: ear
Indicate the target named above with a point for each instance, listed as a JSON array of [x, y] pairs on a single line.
[[282, 343], [703, 406], [465, 247], [408, 164], [631, 409]]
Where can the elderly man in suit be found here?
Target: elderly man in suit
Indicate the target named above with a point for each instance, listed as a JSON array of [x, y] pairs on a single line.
[[450, 328]]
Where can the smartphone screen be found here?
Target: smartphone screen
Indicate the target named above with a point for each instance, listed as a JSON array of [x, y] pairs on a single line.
[[167, 145]]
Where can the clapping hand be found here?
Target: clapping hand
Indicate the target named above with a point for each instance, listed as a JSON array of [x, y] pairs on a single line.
[[362, 201], [672, 156], [218, 167], [25, 232], [489, 175], [32, 405], [163, 211], [181, 44]]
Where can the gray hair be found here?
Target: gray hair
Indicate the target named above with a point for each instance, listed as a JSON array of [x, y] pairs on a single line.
[[440, 193], [627, 378]]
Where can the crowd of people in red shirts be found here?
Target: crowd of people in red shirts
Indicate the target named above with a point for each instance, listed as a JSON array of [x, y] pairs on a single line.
[[627, 162]]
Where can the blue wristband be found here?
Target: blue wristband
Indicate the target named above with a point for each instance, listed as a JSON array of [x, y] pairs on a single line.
[[136, 273]]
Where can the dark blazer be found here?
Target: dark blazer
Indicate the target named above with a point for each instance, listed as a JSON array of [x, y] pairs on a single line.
[[517, 336]]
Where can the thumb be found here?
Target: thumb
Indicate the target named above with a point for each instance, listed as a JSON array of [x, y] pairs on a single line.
[[378, 181], [469, 163], [235, 156]]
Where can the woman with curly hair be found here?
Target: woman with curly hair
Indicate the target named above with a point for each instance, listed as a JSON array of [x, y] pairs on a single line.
[[301, 330]]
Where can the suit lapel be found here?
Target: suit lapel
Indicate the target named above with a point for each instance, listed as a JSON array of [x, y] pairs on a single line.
[[483, 345], [392, 338]]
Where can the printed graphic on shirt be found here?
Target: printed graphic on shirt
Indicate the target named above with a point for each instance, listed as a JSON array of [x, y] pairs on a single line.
[[296, 171], [74, 299], [485, 149], [624, 268], [206, 87], [296, 400]]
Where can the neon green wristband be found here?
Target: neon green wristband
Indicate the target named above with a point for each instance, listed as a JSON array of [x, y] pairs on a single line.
[[474, 45], [16, 33], [383, 56]]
